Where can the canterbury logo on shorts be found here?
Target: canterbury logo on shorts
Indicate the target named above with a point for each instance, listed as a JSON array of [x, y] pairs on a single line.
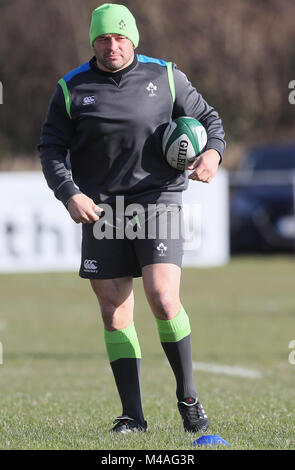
[[90, 265]]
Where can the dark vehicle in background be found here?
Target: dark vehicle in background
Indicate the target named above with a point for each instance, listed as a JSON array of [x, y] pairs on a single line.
[[262, 198]]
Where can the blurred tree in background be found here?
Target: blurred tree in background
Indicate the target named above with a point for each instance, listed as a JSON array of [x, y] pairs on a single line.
[[239, 54]]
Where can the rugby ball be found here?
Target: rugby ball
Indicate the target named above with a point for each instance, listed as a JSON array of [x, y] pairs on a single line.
[[183, 140]]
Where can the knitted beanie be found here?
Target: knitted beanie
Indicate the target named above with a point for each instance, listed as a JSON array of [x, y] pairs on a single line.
[[111, 18]]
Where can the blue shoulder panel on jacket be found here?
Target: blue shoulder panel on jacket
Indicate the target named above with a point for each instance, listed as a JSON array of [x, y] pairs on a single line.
[[83, 68], [146, 60]]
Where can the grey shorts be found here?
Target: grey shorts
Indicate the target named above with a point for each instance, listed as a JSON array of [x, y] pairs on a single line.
[[121, 244]]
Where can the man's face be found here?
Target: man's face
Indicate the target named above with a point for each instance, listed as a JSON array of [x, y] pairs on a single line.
[[113, 52]]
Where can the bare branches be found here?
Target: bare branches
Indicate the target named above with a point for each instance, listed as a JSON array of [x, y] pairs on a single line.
[[239, 54]]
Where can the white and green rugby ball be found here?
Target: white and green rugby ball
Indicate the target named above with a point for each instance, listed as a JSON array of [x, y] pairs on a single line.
[[183, 140]]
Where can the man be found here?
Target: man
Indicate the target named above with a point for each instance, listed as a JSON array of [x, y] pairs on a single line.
[[110, 115]]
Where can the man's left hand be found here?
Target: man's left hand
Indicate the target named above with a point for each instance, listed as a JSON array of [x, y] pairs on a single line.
[[205, 166]]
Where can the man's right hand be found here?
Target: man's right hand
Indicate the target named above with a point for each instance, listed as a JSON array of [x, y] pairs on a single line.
[[82, 209]]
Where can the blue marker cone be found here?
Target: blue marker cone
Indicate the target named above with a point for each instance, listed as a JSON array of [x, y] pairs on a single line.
[[210, 440]]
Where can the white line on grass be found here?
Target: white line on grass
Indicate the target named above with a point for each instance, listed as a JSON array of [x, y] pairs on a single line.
[[227, 370]]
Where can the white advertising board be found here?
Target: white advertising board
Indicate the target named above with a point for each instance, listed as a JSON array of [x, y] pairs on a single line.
[[37, 234], [207, 208]]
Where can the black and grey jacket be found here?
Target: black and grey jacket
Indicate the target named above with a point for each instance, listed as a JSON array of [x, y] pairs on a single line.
[[111, 126]]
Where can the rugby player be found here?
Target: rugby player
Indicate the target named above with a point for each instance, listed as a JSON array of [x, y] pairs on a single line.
[[108, 116]]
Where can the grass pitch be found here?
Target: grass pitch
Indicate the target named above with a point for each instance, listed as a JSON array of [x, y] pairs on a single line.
[[57, 390]]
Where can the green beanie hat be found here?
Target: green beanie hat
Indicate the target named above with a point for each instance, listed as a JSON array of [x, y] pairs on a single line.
[[111, 18]]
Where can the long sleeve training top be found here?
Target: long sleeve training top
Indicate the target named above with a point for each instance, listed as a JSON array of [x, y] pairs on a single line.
[[110, 125]]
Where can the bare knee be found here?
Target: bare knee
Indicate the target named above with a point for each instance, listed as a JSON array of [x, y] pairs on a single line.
[[116, 317], [116, 303], [164, 303], [161, 284]]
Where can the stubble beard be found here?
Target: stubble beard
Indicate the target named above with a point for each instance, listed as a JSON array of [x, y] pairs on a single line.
[[112, 65], [109, 64]]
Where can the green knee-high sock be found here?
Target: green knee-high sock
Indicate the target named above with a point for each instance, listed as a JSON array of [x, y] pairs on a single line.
[[175, 338], [125, 358]]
